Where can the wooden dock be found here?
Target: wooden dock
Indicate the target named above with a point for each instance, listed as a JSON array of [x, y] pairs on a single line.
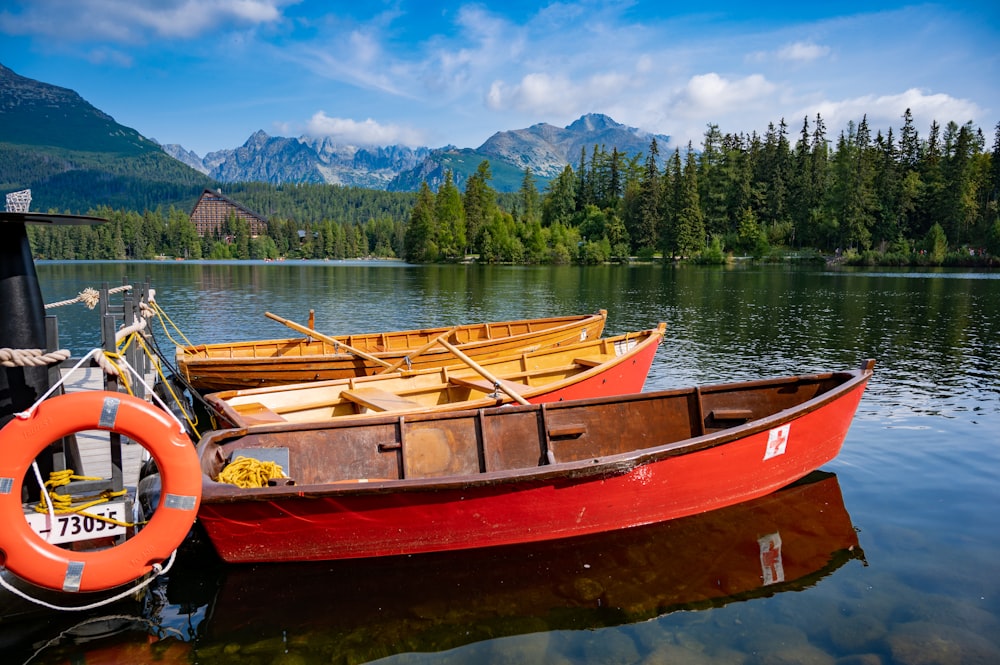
[[94, 446]]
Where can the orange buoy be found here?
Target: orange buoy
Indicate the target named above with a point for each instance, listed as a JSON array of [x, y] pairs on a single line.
[[29, 556]]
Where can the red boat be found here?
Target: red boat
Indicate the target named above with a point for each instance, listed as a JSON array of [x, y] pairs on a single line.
[[787, 541], [594, 368], [407, 484]]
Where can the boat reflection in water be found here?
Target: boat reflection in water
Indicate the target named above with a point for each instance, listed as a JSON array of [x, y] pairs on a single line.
[[360, 610]]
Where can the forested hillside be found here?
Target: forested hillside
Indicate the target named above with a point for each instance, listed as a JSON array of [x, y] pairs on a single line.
[[861, 197], [893, 197]]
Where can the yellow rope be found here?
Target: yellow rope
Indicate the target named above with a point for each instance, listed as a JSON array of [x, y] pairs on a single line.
[[123, 376], [192, 421], [65, 503], [247, 472], [164, 319]]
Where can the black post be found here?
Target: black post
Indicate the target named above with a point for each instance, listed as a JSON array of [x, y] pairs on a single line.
[[22, 320]]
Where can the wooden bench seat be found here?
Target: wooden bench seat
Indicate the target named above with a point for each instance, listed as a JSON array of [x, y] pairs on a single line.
[[592, 361], [486, 386], [255, 413], [377, 399]]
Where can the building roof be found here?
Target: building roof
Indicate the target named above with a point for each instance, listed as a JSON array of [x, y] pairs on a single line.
[[213, 208]]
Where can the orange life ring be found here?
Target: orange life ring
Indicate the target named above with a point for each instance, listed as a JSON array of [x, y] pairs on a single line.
[[28, 556]]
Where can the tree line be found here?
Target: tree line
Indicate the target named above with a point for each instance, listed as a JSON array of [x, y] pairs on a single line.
[[882, 199], [130, 235], [906, 199]]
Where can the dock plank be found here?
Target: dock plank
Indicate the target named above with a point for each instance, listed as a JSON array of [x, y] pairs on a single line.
[[94, 445]]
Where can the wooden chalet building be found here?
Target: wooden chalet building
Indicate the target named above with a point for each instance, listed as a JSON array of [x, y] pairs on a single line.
[[212, 209]]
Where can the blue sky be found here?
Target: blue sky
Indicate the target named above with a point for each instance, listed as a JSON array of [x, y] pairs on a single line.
[[208, 73]]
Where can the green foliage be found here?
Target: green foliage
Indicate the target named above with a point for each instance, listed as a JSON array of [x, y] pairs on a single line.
[[993, 238], [74, 181], [713, 254], [936, 245]]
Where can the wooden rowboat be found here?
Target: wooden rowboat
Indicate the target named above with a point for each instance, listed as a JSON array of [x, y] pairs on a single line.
[[316, 357], [406, 484], [595, 368]]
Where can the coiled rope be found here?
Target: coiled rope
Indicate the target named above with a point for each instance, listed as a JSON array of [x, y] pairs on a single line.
[[63, 504], [31, 357], [248, 473]]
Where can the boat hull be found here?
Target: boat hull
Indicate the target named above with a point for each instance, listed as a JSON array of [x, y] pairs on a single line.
[[658, 481], [785, 541], [241, 365]]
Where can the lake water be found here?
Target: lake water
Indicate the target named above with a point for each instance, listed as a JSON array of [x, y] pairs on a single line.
[[891, 555]]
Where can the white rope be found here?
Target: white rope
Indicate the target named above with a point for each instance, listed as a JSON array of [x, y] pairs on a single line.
[[24, 415], [109, 368], [89, 297], [153, 394], [157, 571], [31, 357], [125, 331], [146, 311], [51, 505]]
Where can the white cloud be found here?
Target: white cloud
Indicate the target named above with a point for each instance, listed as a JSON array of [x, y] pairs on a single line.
[[135, 21], [543, 93], [365, 132], [803, 52], [706, 95], [884, 111]]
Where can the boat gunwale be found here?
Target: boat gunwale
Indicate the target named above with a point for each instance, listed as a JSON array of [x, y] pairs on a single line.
[[192, 355], [607, 466]]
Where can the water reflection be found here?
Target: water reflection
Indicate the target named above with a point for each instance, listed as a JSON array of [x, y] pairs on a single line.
[[724, 324], [357, 611]]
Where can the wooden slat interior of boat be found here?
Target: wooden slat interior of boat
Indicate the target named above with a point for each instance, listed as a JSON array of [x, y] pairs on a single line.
[[255, 413], [484, 386], [419, 391], [732, 407], [376, 399], [593, 361], [468, 443]]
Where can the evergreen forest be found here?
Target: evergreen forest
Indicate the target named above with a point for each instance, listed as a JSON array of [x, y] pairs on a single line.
[[892, 198]]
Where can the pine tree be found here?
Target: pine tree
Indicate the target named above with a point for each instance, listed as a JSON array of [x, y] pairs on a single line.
[[529, 199], [712, 182], [690, 220], [560, 200], [909, 143], [931, 206], [449, 216], [671, 197], [480, 202], [419, 245], [643, 230]]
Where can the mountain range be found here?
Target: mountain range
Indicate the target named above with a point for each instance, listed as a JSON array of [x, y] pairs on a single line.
[[51, 137], [544, 148]]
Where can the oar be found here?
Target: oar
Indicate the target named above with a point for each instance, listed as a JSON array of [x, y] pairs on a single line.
[[482, 371], [410, 356], [326, 338]]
